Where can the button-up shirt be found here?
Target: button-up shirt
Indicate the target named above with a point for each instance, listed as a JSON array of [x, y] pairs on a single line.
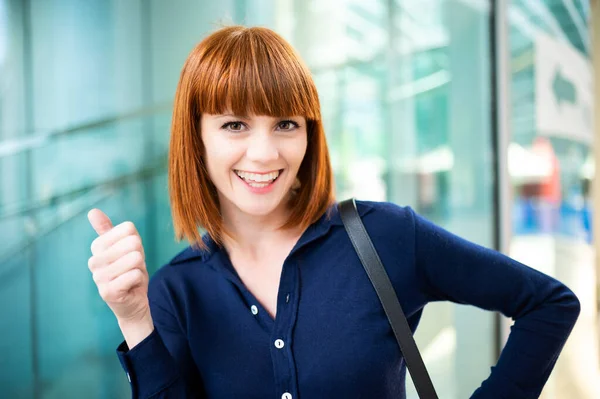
[[330, 337]]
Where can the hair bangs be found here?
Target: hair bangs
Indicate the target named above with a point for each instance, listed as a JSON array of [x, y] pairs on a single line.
[[244, 71], [256, 72]]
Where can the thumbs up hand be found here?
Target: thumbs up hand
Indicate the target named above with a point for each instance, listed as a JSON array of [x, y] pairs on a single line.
[[119, 270]]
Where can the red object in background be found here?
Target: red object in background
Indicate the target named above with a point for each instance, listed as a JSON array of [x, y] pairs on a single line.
[[548, 188]]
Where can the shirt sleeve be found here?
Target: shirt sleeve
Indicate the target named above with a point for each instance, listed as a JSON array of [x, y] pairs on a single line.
[[544, 309], [161, 366]]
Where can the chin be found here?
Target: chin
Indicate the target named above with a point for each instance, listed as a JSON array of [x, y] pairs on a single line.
[[258, 207]]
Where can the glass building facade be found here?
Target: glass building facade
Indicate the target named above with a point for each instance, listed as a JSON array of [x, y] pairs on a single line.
[[414, 94]]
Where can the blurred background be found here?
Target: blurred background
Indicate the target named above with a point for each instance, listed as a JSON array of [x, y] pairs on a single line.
[[477, 113]]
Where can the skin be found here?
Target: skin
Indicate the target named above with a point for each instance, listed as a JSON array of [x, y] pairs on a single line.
[[252, 143], [255, 143]]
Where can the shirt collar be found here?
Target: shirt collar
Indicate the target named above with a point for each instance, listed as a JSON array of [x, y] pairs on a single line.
[[316, 230]]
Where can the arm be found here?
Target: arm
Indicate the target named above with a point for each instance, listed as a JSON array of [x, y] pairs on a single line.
[[160, 365], [544, 310]]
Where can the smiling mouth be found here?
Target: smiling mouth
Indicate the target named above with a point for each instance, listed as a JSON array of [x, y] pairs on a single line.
[[258, 180]]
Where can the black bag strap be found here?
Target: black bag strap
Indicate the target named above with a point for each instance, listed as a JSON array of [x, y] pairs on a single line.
[[378, 276]]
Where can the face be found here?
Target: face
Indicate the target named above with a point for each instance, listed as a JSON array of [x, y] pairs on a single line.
[[253, 160]]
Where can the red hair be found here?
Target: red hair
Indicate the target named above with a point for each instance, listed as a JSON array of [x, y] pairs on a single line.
[[246, 71]]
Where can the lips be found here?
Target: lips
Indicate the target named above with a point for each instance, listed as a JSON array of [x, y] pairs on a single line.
[[258, 177], [264, 181]]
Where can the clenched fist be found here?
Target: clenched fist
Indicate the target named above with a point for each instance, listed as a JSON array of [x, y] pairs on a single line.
[[119, 268]]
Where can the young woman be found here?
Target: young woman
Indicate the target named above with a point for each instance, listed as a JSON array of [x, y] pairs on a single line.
[[273, 302]]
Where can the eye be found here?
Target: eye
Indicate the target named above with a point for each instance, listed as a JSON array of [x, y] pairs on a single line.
[[287, 125], [235, 126]]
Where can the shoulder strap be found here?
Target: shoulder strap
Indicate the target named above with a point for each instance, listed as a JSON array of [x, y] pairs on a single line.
[[378, 276]]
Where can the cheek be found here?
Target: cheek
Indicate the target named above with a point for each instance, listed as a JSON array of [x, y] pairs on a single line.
[[213, 167], [298, 151], [220, 156]]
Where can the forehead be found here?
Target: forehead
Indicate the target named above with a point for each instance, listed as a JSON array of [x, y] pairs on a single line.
[[254, 76], [248, 115]]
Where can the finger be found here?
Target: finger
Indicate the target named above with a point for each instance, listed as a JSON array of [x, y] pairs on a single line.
[[109, 238], [120, 286], [121, 248], [99, 221], [132, 260]]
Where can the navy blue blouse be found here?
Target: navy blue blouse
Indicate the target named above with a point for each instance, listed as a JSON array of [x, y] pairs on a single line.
[[331, 337]]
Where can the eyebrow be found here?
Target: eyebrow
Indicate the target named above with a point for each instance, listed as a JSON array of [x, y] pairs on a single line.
[[247, 117], [232, 115]]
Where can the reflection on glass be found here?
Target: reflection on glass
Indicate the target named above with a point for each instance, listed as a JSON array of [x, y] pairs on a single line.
[[404, 92], [551, 166]]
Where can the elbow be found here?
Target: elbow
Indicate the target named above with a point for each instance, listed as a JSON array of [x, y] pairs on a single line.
[[570, 305], [576, 305]]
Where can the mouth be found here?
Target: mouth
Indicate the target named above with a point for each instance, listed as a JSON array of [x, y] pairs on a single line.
[[258, 180]]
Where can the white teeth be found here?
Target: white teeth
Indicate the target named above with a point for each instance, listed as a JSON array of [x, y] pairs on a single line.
[[256, 178], [258, 185]]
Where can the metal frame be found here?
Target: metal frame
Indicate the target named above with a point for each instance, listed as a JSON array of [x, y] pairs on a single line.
[[501, 135]]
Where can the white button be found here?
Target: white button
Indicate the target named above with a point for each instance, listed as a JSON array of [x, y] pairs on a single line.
[[286, 395], [254, 309], [128, 377], [279, 344]]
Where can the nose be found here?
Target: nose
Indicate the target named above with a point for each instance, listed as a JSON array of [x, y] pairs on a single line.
[[262, 147]]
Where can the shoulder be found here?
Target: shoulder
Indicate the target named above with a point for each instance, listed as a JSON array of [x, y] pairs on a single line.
[[194, 254], [188, 260], [190, 253], [386, 213], [387, 221]]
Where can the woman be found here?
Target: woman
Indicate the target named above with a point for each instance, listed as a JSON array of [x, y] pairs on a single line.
[[273, 302]]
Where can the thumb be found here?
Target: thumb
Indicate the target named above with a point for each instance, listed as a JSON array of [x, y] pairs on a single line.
[[99, 221]]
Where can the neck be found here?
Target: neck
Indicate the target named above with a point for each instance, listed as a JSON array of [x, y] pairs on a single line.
[[256, 236]]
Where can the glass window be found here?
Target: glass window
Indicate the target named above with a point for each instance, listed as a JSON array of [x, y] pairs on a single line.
[[85, 103], [85, 110], [551, 167], [405, 95]]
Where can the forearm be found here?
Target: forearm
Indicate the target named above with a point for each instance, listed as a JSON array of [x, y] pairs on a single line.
[[452, 268], [152, 371], [532, 350], [155, 356], [135, 331]]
